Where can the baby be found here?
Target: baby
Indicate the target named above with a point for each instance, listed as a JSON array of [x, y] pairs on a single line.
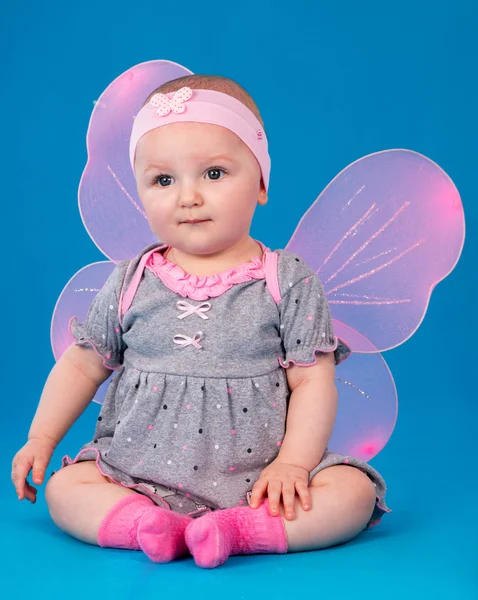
[[212, 438]]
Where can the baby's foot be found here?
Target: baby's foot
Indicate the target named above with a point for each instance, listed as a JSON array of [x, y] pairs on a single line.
[[161, 534], [214, 537]]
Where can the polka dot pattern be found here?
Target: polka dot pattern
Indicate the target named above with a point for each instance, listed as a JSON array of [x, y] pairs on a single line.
[[207, 433], [191, 456]]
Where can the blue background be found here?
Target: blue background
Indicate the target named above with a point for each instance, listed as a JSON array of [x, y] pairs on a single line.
[[376, 75]]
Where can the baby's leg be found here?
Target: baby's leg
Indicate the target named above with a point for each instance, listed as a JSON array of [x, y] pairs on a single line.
[[79, 498], [343, 500], [89, 507]]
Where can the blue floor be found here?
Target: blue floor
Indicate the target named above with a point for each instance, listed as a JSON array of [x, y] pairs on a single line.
[[416, 553]]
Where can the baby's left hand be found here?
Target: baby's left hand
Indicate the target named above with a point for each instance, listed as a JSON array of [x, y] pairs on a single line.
[[282, 479]]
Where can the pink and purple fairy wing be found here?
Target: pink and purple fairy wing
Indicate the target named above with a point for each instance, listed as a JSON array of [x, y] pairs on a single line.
[[368, 403], [380, 237], [109, 204], [74, 301]]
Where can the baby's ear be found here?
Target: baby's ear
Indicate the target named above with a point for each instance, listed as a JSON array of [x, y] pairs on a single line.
[[262, 200]]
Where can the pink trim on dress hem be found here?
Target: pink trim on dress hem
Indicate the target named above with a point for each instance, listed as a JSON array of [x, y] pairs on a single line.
[[385, 510], [92, 344], [378, 520]]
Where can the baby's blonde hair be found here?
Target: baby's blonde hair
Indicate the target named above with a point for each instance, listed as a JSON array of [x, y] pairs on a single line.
[[210, 82]]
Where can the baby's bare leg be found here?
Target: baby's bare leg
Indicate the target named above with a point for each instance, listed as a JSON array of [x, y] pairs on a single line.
[[79, 497], [343, 500]]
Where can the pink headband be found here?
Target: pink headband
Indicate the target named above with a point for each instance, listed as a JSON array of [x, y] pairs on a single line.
[[203, 106]]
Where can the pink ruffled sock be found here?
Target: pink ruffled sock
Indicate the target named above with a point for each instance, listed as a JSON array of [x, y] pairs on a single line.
[[242, 530], [120, 525], [136, 523], [161, 534]]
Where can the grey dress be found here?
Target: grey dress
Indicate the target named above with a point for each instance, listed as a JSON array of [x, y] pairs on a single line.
[[197, 405]]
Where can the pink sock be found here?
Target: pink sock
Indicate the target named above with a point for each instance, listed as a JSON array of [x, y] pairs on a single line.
[[161, 534], [242, 530], [119, 527]]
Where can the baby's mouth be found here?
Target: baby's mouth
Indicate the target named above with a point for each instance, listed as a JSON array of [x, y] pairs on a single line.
[[195, 221]]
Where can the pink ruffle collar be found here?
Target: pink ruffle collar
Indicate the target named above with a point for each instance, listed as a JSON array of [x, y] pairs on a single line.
[[202, 287]]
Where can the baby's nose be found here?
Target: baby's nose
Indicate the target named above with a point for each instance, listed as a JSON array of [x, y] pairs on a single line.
[[191, 198]]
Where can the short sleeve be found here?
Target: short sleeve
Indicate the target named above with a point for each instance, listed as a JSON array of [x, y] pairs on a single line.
[[305, 319], [101, 329]]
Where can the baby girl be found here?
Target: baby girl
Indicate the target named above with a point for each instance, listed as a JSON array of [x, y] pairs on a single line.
[[212, 438]]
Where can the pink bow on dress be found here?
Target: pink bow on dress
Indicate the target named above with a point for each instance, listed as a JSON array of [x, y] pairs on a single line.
[[190, 309], [185, 340]]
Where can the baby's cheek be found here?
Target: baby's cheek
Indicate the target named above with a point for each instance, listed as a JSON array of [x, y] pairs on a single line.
[[241, 214], [161, 225]]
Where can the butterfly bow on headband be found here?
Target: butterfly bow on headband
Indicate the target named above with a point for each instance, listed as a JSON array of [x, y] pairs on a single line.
[[165, 105]]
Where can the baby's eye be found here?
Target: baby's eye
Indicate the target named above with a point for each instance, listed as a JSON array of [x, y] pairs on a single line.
[[215, 173], [164, 180]]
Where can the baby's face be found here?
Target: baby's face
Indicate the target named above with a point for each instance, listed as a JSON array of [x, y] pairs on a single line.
[[197, 171]]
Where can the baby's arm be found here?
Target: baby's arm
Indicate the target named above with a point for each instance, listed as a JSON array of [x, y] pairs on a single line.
[[310, 421], [312, 412], [69, 389]]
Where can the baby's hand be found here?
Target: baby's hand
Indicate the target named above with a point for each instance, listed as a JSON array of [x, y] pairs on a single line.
[[282, 479], [35, 454]]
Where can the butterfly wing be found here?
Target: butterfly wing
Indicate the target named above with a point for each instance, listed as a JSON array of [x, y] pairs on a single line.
[[109, 204], [74, 301], [381, 236], [368, 403]]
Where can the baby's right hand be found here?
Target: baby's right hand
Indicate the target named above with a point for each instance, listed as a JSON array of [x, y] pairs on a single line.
[[35, 454]]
